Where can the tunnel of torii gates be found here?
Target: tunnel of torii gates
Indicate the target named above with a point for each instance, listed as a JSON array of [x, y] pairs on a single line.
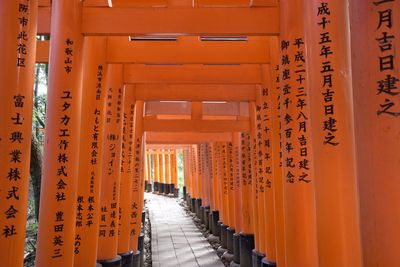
[[287, 114]]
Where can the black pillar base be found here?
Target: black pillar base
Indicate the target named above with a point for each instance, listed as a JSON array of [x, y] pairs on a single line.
[[214, 223], [236, 248], [149, 188], [224, 235], [167, 189], [176, 192], [126, 259], [246, 244], [188, 201], [184, 192], [229, 239], [193, 205], [160, 188], [201, 215], [210, 222], [172, 189], [198, 205], [266, 263], [143, 218], [257, 257], [146, 184], [206, 217], [116, 262], [156, 186], [141, 248], [136, 259]]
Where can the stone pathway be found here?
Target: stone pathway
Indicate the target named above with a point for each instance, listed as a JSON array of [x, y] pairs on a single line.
[[176, 241]]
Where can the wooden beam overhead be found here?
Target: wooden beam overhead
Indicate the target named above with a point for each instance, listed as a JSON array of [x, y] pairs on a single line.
[[153, 124], [186, 50], [186, 138], [194, 92], [192, 74], [228, 21]]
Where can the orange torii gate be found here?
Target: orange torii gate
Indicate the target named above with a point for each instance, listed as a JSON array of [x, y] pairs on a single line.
[[279, 161]]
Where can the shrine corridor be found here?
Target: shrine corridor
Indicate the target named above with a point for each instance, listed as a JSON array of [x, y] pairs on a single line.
[[176, 241]]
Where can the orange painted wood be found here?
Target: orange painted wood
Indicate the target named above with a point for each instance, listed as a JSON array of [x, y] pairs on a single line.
[[61, 137], [267, 183], [277, 178], [155, 125], [186, 50], [377, 136], [193, 92], [192, 74], [138, 177], [111, 175], [189, 50], [237, 172], [90, 151], [156, 166], [188, 21], [246, 181], [231, 185], [126, 172], [257, 199], [298, 162], [336, 197], [185, 137], [16, 116]]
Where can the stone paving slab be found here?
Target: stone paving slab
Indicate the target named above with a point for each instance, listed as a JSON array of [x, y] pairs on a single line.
[[175, 240]]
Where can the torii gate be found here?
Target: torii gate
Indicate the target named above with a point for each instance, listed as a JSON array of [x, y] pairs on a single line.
[[315, 169]]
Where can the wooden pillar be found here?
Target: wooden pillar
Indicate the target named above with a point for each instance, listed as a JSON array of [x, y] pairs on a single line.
[[90, 151], [174, 171], [55, 245], [296, 137], [210, 166], [167, 166], [237, 172], [327, 36], [111, 175], [248, 225], [266, 164], [156, 184], [375, 42], [137, 192], [276, 135], [18, 20], [126, 174], [258, 207], [162, 170], [231, 186], [186, 171], [215, 178]]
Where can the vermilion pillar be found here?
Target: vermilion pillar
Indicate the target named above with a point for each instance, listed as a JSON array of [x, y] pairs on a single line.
[[56, 238], [258, 207], [18, 21], [237, 205], [336, 196], [90, 151], [137, 193], [296, 119], [174, 173], [156, 172], [127, 173], [167, 170], [375, 64], [247, 233], [161, 167], [111, 175], [268, 180], [277, 178]]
